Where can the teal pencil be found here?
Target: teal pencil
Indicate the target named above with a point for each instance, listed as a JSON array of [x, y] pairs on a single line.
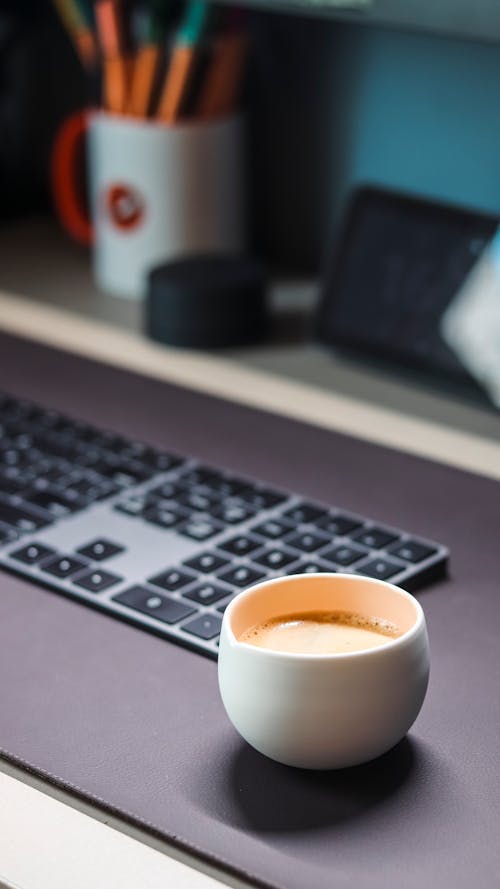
[[183, 62]]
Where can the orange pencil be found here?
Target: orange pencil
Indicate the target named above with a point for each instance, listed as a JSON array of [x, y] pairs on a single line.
[[220, 90], [149, 30], [179, 77], [182, 66], [143, 78], [86, 47], [115, 64], [79, 31]]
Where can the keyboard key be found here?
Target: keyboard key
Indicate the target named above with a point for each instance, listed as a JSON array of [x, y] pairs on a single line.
[[57, 446], [275, 559], [158, 503], [375, 538], [100, 549], [7, 535], [228, 487], [97, 581], [379, 568], [262, 498], [123, 472], [206, 563], [56, 504], [15, 480], [22, 475], [25, 481], [160, 461], [208, 481], [207, 593], [304, 513], [104, 489], [80, 430], [123, 449], [109, 441], [338, 525], [94, 489], [32, 553], [21, 518], [172, 580], [205, 627], [38, 483], [273, 528], [199, 529], [169, 611], [89, 459], [70, 476], [310, 568], [201, 476], [344, 555], [11, 456], [241, 576], [21, 438], [307, 542], [63, 566], [166, 491], [10, 486], [165, 518], [232, 514], [134, 506], [412, 551], [197, 502], [58, 474], [240, 546]]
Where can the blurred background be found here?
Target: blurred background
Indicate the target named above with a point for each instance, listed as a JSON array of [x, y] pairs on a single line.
[[331, 103], [334, 96]]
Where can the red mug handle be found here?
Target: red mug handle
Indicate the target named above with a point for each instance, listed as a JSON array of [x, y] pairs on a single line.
[[67, 178]]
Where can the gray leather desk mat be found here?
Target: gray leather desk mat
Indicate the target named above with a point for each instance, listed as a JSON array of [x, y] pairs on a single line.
[[135, 724]]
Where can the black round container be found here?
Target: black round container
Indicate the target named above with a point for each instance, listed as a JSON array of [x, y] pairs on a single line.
[[207, 302]]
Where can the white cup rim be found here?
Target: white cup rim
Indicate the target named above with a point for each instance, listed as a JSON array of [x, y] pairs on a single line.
[[130, 122], [392, 642]]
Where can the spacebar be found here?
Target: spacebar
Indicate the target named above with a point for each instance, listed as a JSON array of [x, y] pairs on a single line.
[[23, 519]]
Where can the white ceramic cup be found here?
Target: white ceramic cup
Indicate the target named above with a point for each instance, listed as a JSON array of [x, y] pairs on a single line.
[[159, 192], [322, 711]]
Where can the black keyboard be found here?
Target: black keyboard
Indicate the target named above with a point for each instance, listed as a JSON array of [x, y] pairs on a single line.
[[163, 541]]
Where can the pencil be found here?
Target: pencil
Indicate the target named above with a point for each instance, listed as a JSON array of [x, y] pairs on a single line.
[[220, 90], [115, 64], [86, 8], [182, 65], [150, 26], [79, 30], [143, 77]]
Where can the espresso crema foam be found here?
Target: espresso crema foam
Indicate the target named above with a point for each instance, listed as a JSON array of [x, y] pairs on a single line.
[[321, 632]]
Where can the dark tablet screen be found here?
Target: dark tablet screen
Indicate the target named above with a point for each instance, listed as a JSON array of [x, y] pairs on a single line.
[[399, 262]]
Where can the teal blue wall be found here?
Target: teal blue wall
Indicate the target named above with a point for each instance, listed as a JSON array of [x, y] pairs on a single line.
[[339, 105], [418, 113]]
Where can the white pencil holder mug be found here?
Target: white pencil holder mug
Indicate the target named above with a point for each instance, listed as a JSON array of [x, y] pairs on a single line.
[[156, 192]]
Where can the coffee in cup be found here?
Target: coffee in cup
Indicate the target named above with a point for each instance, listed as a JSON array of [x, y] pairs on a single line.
[[321, 632]]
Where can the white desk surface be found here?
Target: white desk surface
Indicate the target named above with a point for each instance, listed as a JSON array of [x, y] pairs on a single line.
[[49, 839]]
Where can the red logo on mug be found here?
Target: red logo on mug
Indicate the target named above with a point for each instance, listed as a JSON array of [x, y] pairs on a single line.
[[125, 206]]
